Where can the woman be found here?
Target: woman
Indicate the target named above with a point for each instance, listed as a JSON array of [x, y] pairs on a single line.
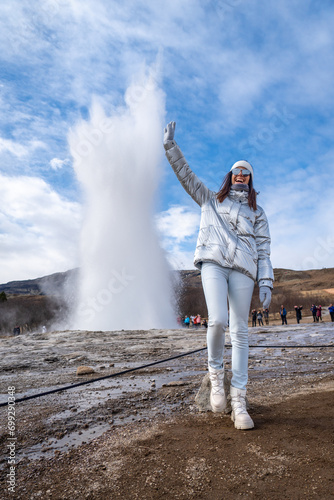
[[233, 251]]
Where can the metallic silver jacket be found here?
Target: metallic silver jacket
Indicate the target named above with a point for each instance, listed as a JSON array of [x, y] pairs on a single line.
[[231, 233]]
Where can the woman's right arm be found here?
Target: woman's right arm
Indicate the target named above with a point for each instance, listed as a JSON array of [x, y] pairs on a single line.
[[191, 183]]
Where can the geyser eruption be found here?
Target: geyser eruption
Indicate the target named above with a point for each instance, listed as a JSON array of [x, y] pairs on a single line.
[[124, 276]]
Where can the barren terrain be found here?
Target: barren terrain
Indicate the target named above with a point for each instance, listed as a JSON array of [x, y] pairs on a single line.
[[141, 435]]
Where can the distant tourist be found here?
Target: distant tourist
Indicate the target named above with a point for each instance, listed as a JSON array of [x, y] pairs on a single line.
[[259, 318], [187, 321], [314, 312], [266, 316], [197, 321], [17, 330], [298, 310], [254, 316], [204, 323], [283, 315], [331, 311], [319, 313], [232, 252]]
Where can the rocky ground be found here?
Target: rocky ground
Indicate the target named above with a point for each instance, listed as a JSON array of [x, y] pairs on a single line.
[[141, 434]]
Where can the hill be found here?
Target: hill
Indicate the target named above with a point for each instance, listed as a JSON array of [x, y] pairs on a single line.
[[53, 284], [285, 279], [304, 282], [42, 301], [290, 288]]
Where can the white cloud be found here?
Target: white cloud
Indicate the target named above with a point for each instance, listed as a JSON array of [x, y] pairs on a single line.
[[7, 145], [299, 207], [57, 163], [21, 151], [38, 229], [224, 65], [178, 222], [181, 259], [178, 227], [244, 85]]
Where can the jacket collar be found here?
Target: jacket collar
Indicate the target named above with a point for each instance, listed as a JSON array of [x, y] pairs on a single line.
[[238, 194]]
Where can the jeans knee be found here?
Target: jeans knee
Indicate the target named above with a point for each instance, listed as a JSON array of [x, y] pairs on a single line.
[[239, 339], [218, 324]]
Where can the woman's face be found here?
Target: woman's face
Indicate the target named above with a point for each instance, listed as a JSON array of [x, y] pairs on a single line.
[[240, 178]]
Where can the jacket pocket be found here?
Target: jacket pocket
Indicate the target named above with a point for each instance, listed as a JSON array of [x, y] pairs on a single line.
[[203, 236]]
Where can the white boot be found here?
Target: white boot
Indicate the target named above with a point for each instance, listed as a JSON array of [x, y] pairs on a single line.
[[239, 414], [217, 394]]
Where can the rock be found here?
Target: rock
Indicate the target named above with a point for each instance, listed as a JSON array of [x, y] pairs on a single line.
[[202, 399], [72, 355], [85, 370], [51, 359], [175, 383]]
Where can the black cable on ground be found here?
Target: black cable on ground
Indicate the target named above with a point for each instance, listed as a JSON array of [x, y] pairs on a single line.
[[278, 346], [67, 387]]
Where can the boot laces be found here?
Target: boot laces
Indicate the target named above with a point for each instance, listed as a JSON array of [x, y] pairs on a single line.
[[217, 383], [239, 404]]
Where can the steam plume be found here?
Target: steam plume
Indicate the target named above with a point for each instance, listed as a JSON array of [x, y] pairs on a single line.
[[124, 277]]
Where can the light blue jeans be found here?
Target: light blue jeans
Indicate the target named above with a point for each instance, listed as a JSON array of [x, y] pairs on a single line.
[[219, 284]]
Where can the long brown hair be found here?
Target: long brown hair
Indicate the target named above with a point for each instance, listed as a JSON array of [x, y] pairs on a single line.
[[226, 186]]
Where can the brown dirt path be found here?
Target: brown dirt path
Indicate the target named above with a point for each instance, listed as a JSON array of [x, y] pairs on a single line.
[[289, 455]]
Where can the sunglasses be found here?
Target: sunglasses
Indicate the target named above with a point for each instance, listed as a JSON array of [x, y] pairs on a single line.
[[242, 171]]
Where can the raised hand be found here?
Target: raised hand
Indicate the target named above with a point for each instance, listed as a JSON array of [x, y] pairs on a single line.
[[169, 132]]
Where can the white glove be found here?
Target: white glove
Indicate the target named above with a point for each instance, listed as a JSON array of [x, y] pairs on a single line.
[[169, 132], [265, 296]]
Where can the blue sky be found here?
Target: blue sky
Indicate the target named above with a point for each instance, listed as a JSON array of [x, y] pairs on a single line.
[[242, 79]]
